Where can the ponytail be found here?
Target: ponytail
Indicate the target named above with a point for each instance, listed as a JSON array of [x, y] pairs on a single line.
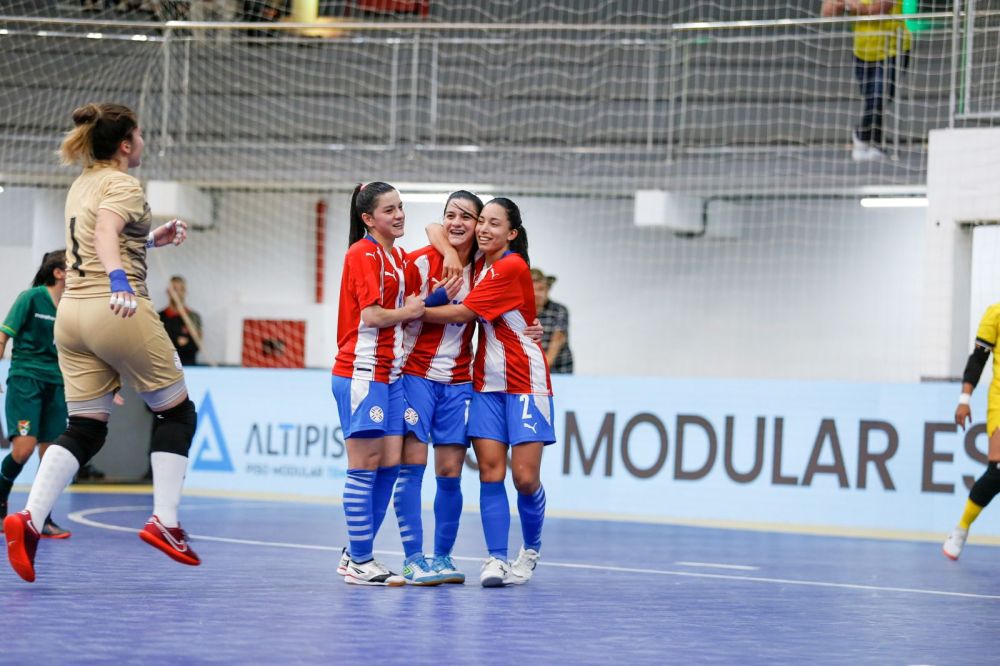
[[363, 200], [520, 243], [100, 129], [46, 274]]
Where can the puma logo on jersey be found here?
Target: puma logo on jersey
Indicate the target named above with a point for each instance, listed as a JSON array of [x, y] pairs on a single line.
[[531, 426]]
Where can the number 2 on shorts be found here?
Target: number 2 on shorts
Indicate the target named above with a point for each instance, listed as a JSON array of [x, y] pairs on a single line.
[[524, 406]]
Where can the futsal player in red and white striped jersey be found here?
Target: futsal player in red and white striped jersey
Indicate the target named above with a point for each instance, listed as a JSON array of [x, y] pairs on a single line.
[[437, 383], [512, 404], [373, 307]]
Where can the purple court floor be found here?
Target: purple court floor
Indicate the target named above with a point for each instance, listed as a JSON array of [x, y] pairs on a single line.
[[604, 593]]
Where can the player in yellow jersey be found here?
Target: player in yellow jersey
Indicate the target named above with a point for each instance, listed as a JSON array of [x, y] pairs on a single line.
[[881, 48], [988, 485], [107, 331]]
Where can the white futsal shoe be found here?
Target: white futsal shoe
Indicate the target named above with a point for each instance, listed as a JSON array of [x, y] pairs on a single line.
[[863, 151], [345, 559], [955, 542], [523, 567], [495, 573], [372, 573]]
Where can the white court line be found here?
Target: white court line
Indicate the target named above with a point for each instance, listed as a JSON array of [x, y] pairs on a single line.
[[81, 517], [711, 565]]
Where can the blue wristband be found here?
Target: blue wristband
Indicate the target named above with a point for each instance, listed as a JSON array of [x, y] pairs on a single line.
[[119, 281], [439, 297]]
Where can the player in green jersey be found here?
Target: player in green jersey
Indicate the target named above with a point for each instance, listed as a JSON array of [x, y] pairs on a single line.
[[36, 404]]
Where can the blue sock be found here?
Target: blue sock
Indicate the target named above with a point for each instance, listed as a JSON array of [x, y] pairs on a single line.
[[407, 505], [447, 513], [358, 511], [385, 479], [531, 509], [495, 511]]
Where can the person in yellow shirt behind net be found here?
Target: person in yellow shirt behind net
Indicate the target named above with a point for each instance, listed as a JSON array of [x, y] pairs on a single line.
[[881, 48], [987, 486]]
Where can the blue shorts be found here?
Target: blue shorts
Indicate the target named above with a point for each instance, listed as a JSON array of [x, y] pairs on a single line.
[[512, 419], [436, 412], [369, 409]]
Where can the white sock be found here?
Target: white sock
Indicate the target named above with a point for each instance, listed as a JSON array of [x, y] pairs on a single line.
[[168, 482], [57, 469]]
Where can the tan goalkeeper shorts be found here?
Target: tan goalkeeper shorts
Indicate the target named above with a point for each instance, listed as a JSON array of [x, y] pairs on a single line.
[[98, 349]]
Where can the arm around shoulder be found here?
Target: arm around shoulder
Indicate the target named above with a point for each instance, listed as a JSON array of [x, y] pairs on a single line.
[[375, 316], [449, 314]]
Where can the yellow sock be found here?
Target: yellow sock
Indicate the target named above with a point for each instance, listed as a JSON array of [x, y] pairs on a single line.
[[970, 514]]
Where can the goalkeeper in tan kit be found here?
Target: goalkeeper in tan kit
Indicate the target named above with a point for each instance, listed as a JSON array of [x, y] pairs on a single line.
[[107, 331]]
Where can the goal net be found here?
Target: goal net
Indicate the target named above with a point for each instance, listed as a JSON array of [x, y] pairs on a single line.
[[746, 252]]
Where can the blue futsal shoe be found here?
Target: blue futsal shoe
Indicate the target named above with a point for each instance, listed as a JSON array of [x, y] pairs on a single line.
[[417, 571], [445, 567]]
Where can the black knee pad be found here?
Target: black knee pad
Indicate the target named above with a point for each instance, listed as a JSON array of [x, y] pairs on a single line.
[[987, 486], [83, 438], [174, 428]]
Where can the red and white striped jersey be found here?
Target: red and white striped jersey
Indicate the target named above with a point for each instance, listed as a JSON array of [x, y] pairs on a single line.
[[506, 359], [438, 352], [370, 277]]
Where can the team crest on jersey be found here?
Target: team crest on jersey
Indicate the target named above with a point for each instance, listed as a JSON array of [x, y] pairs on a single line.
[[411, 416], [24, 427], [376, 414]]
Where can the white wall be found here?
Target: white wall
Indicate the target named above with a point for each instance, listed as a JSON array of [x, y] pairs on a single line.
[[985, 284], [962, 170], [821, 289], [810, 289], [16, 222]]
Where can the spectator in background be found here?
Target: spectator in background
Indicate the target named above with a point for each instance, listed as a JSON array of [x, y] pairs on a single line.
[[880, 47], [214, 10], [555, 320], [264, 11], [179, 320], [172, 10], [384, 8]]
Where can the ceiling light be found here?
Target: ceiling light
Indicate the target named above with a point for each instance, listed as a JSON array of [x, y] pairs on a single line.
[[894, 202]]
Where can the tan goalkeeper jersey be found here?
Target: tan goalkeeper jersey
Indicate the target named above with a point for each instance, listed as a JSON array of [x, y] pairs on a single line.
[[103, 186]]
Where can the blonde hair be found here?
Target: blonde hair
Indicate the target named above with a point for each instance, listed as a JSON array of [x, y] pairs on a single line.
[[100, 128]]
